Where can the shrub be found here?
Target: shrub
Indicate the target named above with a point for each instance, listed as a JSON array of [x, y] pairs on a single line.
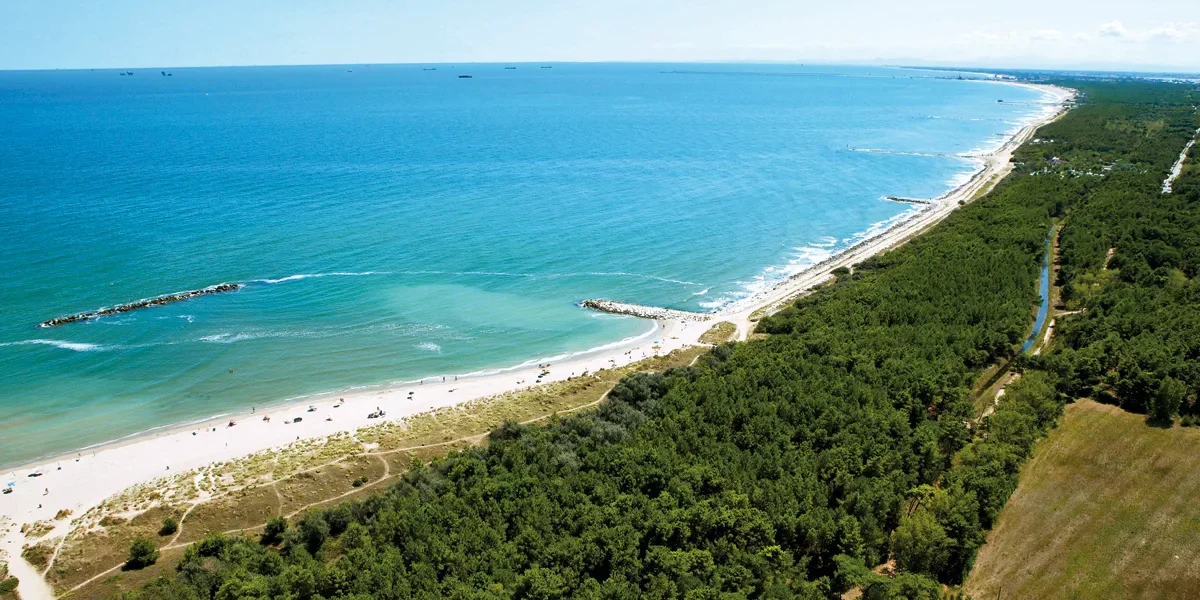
[[274, 530], [169, 526], [142, 553], [8, 585], [313, 530]]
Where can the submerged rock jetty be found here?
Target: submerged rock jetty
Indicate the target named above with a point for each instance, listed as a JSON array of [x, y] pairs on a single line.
[[147, 303], [907, 200], [645, 312]]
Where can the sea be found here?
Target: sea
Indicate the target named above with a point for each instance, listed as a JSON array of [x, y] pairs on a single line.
[[394, 222]]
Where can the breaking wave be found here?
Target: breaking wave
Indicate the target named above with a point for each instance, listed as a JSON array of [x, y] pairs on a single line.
[[300, 276], [65, 345]]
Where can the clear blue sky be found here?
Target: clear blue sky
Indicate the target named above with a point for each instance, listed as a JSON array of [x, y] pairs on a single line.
[[1044, 33]]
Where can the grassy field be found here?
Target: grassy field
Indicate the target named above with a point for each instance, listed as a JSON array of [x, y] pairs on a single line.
[[1108, 507]]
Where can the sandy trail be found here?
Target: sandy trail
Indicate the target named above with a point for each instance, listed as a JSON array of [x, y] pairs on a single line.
[[82, 480]]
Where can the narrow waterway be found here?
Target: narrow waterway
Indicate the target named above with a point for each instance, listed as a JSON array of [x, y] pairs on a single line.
[[1044, 290]]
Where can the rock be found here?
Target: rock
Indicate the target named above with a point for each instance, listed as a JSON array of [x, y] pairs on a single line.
[[645, 312], [146, 303]]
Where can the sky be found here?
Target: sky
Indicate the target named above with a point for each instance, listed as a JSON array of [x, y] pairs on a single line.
[[1097, 34]]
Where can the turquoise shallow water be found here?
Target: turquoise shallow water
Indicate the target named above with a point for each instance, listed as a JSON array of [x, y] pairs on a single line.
[[391, 223]]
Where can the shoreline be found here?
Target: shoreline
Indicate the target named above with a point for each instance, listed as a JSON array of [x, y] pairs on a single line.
[[82, 479], [994, 165], [301, 402]]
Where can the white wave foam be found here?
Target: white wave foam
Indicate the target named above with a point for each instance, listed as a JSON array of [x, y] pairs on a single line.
[[65, 345], [467, 273], [623, 274], [225, 338], [701, 292], [430, 346], [806, 257], [566, 355], [963, 177], [143, 432], [300, 276], [231, 337]]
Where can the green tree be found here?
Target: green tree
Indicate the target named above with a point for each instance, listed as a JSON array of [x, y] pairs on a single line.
[[920, 544], [273, 531], [1167, 399], [142, 553], [169, 526]]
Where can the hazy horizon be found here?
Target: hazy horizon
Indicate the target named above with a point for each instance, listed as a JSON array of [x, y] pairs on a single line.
[[948, 66], [1106, 35]]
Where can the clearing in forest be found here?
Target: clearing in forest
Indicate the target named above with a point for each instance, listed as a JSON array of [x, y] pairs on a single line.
[[1106, 508]]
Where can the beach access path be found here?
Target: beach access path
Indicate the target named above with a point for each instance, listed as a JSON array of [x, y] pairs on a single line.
[[82, 480]]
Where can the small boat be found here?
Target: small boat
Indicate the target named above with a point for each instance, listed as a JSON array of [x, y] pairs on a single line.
[[430, 69], [464, 76], [547, 67], [510, 68]]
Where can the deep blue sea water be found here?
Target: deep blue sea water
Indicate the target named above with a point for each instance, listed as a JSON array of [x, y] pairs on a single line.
[[391, 222]]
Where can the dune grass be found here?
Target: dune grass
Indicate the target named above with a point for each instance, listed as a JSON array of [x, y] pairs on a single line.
[[719, 333], [1106, 508], [240, 496]]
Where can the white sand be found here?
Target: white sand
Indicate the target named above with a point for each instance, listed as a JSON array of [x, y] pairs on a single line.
[[81, 481]]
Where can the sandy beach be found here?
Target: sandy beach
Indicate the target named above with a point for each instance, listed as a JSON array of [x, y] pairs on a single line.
[[82, 480]]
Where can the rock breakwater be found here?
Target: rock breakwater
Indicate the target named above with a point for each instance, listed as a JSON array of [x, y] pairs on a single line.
[[644, 312], [146, 303]]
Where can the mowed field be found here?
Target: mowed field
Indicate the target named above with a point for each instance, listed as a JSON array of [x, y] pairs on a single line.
[[1108, 507]]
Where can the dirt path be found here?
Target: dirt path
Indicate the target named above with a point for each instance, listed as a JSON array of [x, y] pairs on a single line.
[[32, 586]]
